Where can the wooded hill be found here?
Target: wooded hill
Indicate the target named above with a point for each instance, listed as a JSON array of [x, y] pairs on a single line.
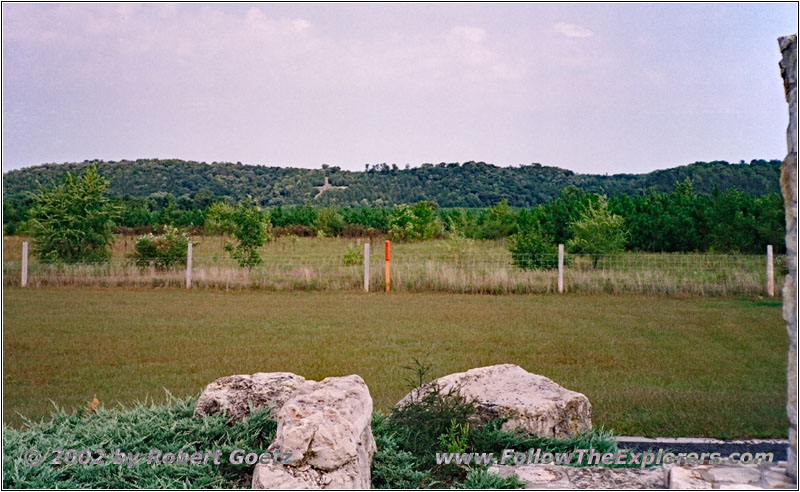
[[471, 184]]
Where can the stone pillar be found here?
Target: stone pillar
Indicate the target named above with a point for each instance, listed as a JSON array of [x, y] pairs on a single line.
[[788, 66]]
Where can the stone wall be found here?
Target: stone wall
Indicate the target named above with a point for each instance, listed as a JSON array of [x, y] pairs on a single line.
[[788, 46]]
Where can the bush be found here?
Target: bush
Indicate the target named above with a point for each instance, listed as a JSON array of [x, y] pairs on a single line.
[[170, 427], [480, 478], [329, 222], [417, 223], [498, 221], [490, 438], [598, 232], [252, 229], [531, 249], [219, 219], [72, 221], [447, 422], [162, 251], [353, 255], [392, 466], [424, 424]]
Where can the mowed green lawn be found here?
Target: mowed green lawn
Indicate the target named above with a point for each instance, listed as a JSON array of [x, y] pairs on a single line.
[[651, 366]]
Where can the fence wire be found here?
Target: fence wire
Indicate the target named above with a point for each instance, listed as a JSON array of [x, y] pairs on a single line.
[[494, 273]]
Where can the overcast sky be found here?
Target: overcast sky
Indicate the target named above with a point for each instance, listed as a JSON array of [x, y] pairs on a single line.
[[588, 87]]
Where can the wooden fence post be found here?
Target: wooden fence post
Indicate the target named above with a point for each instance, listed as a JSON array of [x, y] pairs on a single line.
[[24, 279], [388, 282], [366, 267], [770, 273], [560, 268], [189, 266]]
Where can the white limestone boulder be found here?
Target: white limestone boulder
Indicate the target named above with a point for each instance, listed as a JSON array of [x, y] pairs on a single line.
[[236, 395], [532, 402], [540, 477], [326, 427]]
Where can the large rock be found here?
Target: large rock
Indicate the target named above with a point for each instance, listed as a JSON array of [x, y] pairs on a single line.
[[733, 477], [326, 427], [589, 477], [236, 395], [533, 403], [788, 65]]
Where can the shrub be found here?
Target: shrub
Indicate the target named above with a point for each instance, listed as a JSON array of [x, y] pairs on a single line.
[[392, 466], [329, 222], [480, 478], [498, 221], [454, 441], [598, 232], [353, 255], [219, 219], [162, 251], [169, 427], [447, 422], [72, 221], [432, 421], [252, 229], [490, 438], [532, 249], [417, 223]]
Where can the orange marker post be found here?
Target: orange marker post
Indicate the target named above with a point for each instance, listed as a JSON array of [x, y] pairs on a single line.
[[388, 282]]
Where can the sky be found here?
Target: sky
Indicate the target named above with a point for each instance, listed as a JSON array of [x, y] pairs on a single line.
[[594, 88]]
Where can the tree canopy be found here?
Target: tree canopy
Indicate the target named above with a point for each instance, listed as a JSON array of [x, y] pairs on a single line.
[[72, 221], [195, 185]]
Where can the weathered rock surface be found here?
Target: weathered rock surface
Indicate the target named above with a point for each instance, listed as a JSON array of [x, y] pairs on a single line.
[[733, 477], [235, 395], [326, 426], [788, 65], [590, 477], [534, 403]]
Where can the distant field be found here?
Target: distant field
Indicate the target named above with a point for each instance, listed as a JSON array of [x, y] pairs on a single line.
[[655, 366], [455, 265]]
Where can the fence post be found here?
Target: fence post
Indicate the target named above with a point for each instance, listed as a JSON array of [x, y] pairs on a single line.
[[388, 282], [770, 273], [189, 266], [24, 279], [560, 268], [366, 267]]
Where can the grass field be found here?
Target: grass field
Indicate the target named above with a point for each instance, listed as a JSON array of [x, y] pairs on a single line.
[[455, 265], [654, 366]]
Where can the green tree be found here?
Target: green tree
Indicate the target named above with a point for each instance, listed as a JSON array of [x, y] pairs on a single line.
[[734, 224], [770, 222], [416, 223], [73, 220], [329, 222], [559, 214], [499, 221], [598, 232], [530, 248], [252, 229], [219, 219]]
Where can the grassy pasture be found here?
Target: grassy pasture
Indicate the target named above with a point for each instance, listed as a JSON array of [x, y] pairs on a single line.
[[656, 366], [454, 265]]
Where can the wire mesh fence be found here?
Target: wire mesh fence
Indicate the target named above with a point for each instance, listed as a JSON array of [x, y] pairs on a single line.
[[490, 273]]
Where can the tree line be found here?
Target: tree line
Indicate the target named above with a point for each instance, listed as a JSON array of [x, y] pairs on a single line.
[[75, 221], [195, 185]]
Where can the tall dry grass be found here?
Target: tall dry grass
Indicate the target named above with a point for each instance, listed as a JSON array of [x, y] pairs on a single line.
[[457, 266]]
